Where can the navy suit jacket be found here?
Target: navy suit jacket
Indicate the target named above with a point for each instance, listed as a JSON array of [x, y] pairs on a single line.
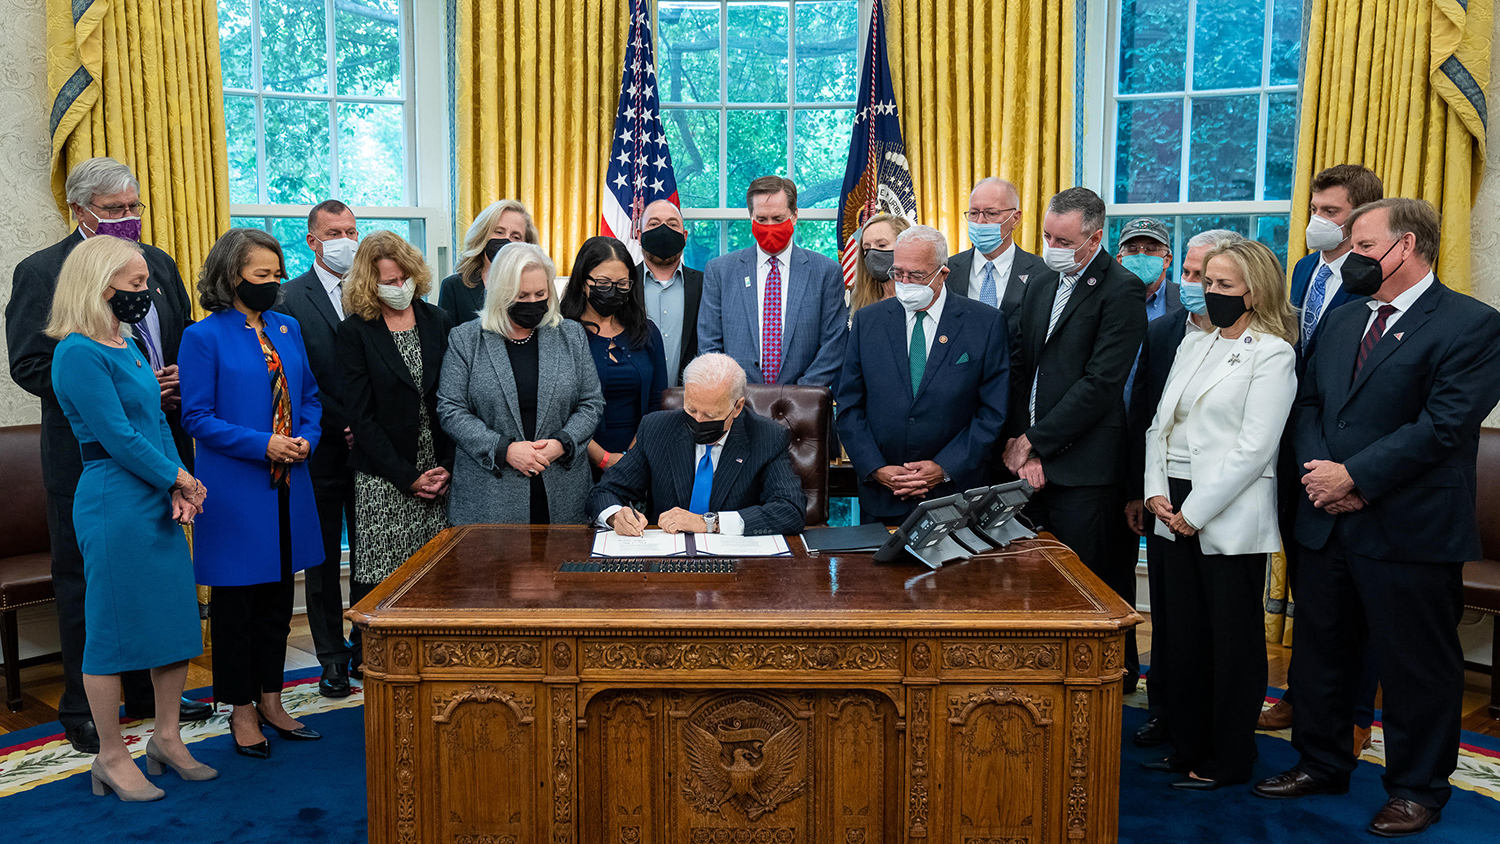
[[1163, 337], [304, 299], [754, 476], [813, 326], [1406, 429], [1302, 273], [959, 408]]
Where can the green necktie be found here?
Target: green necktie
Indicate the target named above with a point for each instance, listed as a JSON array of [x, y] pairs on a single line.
[[918, 352]]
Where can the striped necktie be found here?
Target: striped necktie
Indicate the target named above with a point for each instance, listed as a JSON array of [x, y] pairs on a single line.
[[1377, 330], [1059, 302]]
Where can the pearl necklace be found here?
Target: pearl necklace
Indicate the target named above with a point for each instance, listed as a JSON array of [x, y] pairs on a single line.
[[522, 342]]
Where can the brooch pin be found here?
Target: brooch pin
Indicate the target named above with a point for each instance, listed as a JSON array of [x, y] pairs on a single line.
[[1234, 358], [137, 363], [283, 329]]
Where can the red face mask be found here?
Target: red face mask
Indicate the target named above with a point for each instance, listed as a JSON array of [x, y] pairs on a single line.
[[773, 238]]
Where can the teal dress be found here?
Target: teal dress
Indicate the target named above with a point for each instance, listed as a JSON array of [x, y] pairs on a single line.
[[140, 603]]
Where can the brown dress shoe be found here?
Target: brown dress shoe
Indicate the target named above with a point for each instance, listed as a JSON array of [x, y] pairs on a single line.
[[1401, 817], [1278, 717], [1361, 740], [1295, 783]]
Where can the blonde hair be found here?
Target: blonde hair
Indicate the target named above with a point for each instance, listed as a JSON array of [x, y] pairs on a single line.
[[78, 305], [505, 287], [471, 257], [867, 289], [363, 280], [1258, 266]]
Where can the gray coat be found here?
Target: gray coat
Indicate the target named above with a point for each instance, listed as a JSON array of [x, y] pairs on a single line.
[[476, 405]]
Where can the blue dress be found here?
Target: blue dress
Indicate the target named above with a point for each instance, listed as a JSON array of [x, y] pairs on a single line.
[[632, 380], [140, 604]]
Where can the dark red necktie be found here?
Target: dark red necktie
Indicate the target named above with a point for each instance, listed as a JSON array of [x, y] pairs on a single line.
[[770, 333], [1377, 329]]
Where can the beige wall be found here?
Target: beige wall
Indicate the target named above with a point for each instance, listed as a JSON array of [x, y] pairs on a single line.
[[28, 217]]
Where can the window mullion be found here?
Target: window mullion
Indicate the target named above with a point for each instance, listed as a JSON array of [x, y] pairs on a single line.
[[1187, 104], [333, 107], [791, 89]]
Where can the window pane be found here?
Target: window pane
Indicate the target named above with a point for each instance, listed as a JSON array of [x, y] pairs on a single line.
[[368, 39], [739, 235], [693, 138], [757, 52], [291, 232], [703, 242], [1229, 43], [239, 122], [372, 158], [821, 153], [401, 227], [297, 158], [1281, 144], [820, 236], [688, 56], [248, 223], [1273, 231], [826, 33], [1221, 160], [758, 141], [1286, 41], [1202, 223], [1148, 151], [1114, 225], [294, 46], [235, 53], [1153, 46]]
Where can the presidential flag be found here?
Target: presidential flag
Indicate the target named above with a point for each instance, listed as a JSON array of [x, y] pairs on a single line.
[[640, 166], [877, 179]]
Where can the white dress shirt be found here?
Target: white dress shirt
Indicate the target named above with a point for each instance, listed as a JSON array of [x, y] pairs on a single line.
[[1402, 303], [929, 326], [1334, 283], [333, 285], [1003, 262], [762, 270], [731, 523]]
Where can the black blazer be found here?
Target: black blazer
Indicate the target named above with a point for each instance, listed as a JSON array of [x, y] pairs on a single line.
[[1163, 337], [383, 402], [26, 317], [1023, 270], [1407, 429], [692, 287], [754, 476], [304, 299], [461, 301], [1080, 430]]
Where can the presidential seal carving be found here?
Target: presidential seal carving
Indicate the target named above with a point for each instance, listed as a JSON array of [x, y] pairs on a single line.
[[743, 752]]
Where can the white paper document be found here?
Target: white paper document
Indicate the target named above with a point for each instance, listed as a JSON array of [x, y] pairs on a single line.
[[720, 545], [653, 543]]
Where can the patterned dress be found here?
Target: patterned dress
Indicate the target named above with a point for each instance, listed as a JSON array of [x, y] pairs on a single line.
[[392, 523]]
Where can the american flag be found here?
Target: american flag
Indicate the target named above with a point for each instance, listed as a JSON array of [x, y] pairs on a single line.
[[640, 165], [877, 179]]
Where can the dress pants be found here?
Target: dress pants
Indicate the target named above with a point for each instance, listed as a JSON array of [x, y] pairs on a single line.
[[1409, 613], [322, 586], [1159, 677], [250, 625], [1218, 651], [1089, 520], [68, 587]]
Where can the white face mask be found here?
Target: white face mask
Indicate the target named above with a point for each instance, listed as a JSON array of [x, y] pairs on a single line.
[[338, 254], [1323, 234], [1060, 259], [397, 298], [913, 297]]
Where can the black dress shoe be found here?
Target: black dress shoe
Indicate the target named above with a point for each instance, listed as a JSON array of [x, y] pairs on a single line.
[[195, 710], [1401, 817], [1169, 765], [1151, 733], [254, 751], [1195, 784], [335, 682], [357, 670], [299, 734], [83, 737], [1295, 783]]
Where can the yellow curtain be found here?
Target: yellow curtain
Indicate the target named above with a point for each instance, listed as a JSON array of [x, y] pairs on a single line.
[[537, 85], [139, 81], [1278, 602], [1398, 86], [985, 88]]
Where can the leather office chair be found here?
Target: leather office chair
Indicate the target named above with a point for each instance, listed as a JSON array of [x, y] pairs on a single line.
[[808, 412], [26, 567], [1482, 577]]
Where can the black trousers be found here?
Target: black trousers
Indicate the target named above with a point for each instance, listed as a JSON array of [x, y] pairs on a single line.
[[322, 586], [68, 587], [250, 625], [1218, 651], [1409, 613], [1159, 678]]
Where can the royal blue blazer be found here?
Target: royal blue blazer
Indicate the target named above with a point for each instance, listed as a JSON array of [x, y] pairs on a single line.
[[226, 408]]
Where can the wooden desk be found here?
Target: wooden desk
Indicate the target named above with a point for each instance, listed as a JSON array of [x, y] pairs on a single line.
[[818, 699]]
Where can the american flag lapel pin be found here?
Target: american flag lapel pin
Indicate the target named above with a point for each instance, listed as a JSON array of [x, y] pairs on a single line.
[[1399, 333], [739, 460], [1024, 277]]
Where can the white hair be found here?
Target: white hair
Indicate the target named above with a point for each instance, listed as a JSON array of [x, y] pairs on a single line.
[[927, 234], [505, 287], [98, 177], [1008, 186], [1214, 238], [714, 369]]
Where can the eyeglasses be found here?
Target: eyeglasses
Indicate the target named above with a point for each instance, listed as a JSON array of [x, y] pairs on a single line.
[[119, 210], [622, 285], [912, 278], [1152, 248], [990, 216]]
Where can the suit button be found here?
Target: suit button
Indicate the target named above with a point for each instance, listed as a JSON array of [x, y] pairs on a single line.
[[911, 420], [1195, 451], [1342, 423]]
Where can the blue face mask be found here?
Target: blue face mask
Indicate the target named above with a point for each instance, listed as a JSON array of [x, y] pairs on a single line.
[[986, 237], [1192, 297], [1146, 267]]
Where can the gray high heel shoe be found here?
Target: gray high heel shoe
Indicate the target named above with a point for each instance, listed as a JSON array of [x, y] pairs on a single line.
[[155, 759], [104, 785]]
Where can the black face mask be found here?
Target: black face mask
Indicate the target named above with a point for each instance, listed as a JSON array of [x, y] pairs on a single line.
[[606, 302], [493, 248], [528, 314], [258, 297], [1223, 309], [705, 433], [1362, 275], [878, 263], [130, 305], [663, 242]]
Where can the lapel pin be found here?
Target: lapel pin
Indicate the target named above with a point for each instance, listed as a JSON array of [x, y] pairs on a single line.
[[1093, 281], [1247, 339], [943, 338], [1234, 358], [137, 363], [1023, 278], [1399, 333], [739, 460], [283, 329], [747, 281]]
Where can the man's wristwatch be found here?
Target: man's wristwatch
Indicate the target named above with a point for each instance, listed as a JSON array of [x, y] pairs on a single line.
[[711, 522]]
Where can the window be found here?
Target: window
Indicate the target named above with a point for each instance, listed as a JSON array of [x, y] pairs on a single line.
[[1201, 104], [756, 87]]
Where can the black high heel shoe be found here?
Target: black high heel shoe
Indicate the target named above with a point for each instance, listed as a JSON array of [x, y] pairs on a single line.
[[262, 750], [299, 734]]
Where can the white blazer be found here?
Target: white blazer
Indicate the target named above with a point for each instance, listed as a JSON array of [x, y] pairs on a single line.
[[1233, 431]]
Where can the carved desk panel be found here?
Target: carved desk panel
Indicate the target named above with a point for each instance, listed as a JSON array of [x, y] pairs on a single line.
[[814, 699]]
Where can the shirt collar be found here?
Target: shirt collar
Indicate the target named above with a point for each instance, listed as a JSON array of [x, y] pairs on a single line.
[[1337, 264], [330, 281], [1408, 298], [781, 257], [1005, 255], [672, 279]]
